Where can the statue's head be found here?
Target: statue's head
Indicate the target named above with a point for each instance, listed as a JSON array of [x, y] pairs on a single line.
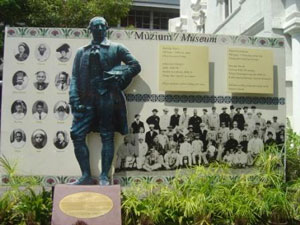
[[98, 27]]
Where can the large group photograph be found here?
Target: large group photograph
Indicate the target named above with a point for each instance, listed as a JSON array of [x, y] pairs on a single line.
[[177, 138]]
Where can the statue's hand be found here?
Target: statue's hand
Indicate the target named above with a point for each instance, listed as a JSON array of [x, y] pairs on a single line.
[[78, 108], [81, 108], [120, 80]]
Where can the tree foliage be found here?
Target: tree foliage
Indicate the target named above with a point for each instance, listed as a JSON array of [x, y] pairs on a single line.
[[60, 13], [74, 13]]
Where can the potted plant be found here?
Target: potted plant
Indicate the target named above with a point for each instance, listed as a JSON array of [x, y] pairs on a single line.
[[294, 198], [278, 207]]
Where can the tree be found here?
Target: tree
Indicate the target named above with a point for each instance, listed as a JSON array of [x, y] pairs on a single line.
[[74, 13], [60, 13]]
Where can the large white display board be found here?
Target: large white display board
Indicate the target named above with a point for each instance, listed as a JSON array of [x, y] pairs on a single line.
[[37, 81]]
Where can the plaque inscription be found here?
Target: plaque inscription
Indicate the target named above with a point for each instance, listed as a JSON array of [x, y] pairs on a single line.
[[85, 205]]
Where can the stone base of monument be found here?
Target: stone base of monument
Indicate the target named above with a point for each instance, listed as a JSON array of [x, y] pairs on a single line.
[[86, 205]]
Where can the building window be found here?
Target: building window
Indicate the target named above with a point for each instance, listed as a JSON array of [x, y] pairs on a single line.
[[148, 19], [161, 19], [227, 8], [137, 18]]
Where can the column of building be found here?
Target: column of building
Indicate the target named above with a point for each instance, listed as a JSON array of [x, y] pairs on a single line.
[[292, 27]]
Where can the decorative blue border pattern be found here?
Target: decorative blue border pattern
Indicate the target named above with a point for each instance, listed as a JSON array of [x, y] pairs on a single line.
[[50, 181], [204, 99], [120, 34]]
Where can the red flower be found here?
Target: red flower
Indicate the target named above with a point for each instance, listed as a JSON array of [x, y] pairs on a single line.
[[137, 181], [116, 181], [32, 32], [5, 180], [72, 180], [118, 35], [281, 43], [55, 32], [262, 41], [50, 181], [159, 181], [10, 32], [76, 33]]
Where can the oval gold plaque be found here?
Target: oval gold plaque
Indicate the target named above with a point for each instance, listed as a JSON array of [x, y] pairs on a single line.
[[85, 205]]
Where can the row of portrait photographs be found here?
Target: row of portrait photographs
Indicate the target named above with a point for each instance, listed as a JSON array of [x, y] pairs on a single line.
[[179, 140], [20, 80], [39, 139], [42, 52], [40, 110]]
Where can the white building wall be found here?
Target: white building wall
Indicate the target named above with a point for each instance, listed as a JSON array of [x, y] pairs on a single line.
[[267, 18], [192, 17]]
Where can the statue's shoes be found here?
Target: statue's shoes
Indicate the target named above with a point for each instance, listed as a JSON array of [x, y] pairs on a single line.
[[104, 182], [83, 181]]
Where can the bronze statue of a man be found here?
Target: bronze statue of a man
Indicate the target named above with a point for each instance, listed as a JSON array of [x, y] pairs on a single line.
[[96, 96]]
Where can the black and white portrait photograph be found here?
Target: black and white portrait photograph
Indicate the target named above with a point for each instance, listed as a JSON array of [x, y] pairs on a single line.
[[63, 52], [61, 139], [232, 135], [41, 82], [42, 52], [22, 52], [61, 110], [39, 110], [62, 81], [39, 138], [20, 80], [18, 109], [17, 138]]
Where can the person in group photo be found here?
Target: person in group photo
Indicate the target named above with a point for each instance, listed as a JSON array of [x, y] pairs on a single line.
[[40, 110], [197, 148], [137, 124], [164, 120], [63, 53], [195, 121], [240, 159], [42, 52], [61, 110], [60, 140], [125, 155], [23, 52], [174, 120], [150, 135], [184, 120], [233, 141], [154, 119], [18, 138], [185, 153], [40, 83], [154, 160], [18, 109], [62, 81], [171, 159], [225, 117], [20, 80], [39, 138], [142, 150], [239, 118]]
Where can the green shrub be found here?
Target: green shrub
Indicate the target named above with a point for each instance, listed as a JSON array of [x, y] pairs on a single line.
[[200, 196], [214, 196], [25, 201], [292, 155]]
